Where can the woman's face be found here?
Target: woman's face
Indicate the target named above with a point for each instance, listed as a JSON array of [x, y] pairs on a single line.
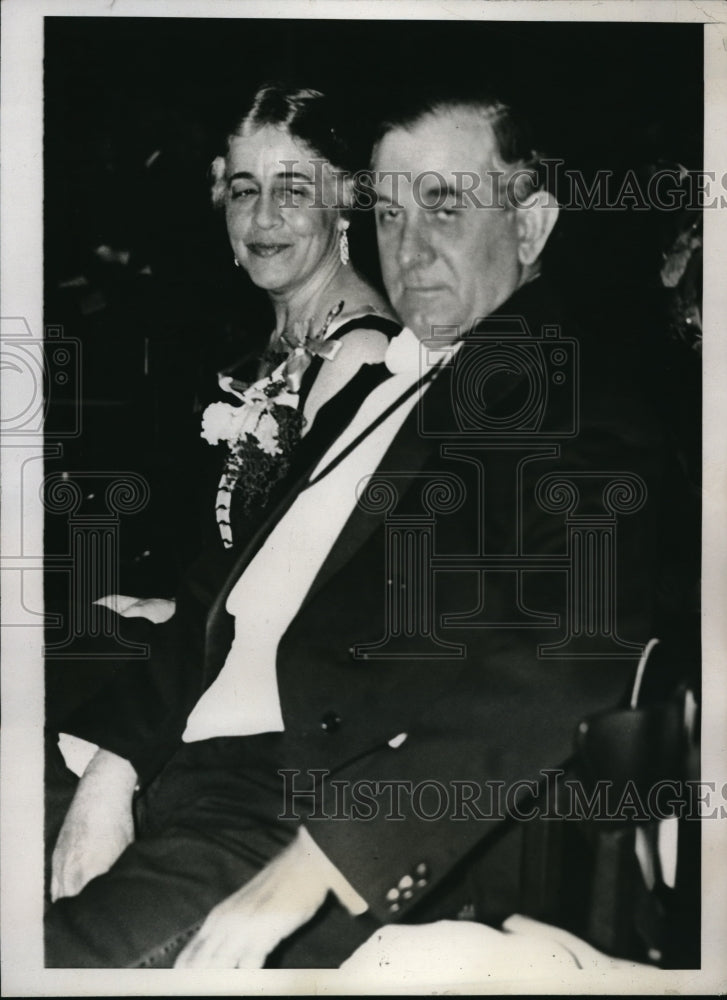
[[279, 209]]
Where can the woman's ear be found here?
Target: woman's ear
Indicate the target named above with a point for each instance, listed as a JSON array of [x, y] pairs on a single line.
[[218, 169], [535, 220]]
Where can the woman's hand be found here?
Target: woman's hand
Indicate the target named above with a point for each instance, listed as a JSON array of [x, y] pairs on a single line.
[[98, 826]]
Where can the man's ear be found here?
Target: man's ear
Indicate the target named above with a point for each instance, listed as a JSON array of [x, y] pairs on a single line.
[[535, 220]]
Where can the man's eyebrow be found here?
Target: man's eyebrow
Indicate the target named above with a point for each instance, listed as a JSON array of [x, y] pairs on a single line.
[[294, 175], [384, 196], [442, 189], [284, 174], [446, 189]]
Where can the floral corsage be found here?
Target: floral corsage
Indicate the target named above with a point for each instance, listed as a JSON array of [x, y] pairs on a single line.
[[262, 431]]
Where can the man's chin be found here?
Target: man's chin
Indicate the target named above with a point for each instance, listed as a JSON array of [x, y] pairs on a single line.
[[438, 329], [430, 317]]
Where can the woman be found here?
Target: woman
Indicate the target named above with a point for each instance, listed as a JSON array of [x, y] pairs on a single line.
[[285, 185], [286, 188]]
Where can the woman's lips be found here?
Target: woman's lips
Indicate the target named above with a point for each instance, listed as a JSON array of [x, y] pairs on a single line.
[[267, 249]]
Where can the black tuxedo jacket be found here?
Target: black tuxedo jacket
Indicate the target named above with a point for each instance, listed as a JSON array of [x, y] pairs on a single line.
[[478, 541]]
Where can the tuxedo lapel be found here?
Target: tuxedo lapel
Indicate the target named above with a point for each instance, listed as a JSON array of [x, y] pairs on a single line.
[[408, 453]]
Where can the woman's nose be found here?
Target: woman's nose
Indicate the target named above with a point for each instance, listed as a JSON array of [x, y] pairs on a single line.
[[267, 212]]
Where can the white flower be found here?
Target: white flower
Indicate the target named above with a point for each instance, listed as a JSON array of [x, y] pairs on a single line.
[[220, 422], [266, 433], [223, 422]]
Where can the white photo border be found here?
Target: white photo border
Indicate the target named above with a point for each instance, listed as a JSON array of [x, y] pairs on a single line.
[[22, 297]]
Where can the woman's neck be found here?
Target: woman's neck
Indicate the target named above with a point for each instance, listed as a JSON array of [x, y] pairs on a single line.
[[311, 301]]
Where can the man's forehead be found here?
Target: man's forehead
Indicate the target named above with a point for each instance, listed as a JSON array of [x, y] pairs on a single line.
[[448, 142]]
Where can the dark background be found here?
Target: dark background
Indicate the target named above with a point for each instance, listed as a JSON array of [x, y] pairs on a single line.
[[157, 323]]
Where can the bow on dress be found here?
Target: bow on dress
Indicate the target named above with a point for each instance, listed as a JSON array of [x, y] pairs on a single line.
[[304, 346]]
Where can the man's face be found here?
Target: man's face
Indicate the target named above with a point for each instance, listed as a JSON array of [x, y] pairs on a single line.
[[445, 260]]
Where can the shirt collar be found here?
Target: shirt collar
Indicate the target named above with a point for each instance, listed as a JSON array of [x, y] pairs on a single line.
[[408, 355]]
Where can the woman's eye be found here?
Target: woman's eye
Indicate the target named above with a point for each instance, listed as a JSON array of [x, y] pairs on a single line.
[[446, 213]]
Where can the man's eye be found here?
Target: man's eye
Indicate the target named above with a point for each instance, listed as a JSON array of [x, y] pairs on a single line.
[[446, 214], [241, 193]]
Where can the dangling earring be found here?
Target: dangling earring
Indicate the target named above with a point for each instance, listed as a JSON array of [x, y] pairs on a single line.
[[237, 262], [343, 247]]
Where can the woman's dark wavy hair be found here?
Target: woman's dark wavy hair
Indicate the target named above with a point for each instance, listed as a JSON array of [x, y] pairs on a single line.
[[309, 116]]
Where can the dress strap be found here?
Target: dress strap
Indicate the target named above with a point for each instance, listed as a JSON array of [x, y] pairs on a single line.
[[368, 321]]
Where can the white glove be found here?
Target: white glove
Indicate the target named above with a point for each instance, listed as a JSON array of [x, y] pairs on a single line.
[[156, 609]]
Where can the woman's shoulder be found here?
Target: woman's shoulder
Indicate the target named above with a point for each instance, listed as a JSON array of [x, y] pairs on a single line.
[[363, 340], [363, 343]]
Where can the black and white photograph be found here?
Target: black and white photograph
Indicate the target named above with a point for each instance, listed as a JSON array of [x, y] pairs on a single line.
[[363, 534]]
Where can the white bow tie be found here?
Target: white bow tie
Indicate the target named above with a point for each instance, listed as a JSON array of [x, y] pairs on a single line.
[[407, 355]]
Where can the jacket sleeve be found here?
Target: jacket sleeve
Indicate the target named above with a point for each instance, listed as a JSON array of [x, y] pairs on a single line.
[[396, 821]]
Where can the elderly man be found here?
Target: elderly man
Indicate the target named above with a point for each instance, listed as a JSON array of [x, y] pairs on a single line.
[[426, 639]]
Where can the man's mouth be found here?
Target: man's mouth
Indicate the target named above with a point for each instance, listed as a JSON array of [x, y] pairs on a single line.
[[267, 249]]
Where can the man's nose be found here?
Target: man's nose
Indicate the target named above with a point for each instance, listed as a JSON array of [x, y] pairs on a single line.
[[414, 246], [267, 212]]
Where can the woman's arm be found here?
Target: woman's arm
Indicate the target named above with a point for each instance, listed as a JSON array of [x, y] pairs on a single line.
[[359, 347]]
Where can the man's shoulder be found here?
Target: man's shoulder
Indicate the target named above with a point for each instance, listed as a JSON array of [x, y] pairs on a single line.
[[539, 357]]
